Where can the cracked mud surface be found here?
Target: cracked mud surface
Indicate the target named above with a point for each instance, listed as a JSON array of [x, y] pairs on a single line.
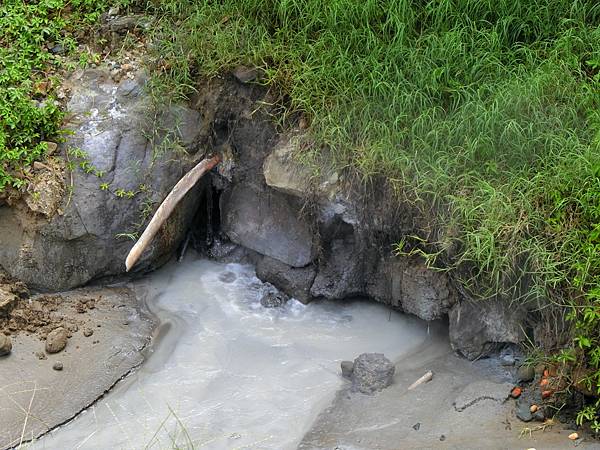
[[34, 398]]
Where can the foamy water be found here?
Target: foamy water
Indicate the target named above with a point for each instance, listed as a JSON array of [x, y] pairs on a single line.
[[226, 373]]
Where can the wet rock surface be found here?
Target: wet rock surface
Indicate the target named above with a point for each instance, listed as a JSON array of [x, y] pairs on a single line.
[[372, 372], [81, 238], [272, 298]]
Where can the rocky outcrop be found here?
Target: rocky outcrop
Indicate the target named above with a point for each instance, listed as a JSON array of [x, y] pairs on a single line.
[[121, 164], [476, 328], [316, 234]]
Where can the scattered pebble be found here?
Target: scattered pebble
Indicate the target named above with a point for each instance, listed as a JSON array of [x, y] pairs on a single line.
[[574, 436], [417, 426], [87, 332], [56, 340], [533, 408], [41, 355], [442, 438], [57, 366], [523, 412], [546, 394], [516, 392], [5, 345]]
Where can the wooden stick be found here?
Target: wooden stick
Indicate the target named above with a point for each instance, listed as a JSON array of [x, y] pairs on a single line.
[[424, 379], [167, 206]]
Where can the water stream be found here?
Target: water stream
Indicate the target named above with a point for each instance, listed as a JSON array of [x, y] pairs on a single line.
[[225, 372]]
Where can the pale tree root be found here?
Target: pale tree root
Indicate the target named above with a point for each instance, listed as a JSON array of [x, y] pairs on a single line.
[[166, 208]]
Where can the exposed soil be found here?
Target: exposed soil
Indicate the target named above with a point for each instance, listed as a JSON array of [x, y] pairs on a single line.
[[38, 315]]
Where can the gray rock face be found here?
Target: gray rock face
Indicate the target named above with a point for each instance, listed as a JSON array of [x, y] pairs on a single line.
[[56, 340], [268, 224], [372, 372], [5, 345], [476, 327], [294, 281], [425, 293], [127, 174]]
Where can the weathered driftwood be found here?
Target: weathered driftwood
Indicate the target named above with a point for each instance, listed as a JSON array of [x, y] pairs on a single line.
[[424, 379], [167, 206]]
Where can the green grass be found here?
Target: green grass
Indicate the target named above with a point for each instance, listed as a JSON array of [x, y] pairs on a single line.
[[485, 115], [29, 75]]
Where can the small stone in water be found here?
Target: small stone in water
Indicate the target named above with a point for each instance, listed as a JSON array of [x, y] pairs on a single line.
[[372, 372], [273, 299], [417, 426], [57, 366], [347, 368], [87, 332]]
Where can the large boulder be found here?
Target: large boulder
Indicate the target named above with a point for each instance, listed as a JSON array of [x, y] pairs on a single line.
[[268, 223], [122, 161]]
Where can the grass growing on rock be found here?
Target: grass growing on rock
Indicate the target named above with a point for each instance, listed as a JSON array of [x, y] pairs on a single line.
[[485, 114], [36, 39]]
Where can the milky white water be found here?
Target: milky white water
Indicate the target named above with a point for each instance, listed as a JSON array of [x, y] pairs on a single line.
[[226, 373]]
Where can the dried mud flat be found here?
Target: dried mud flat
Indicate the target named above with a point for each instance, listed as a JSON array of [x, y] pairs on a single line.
[[107, 331]]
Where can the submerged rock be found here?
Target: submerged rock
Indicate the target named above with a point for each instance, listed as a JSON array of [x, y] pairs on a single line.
[[57, 340], [372, 372], [5, 345], [347, 368], [273, 298]]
